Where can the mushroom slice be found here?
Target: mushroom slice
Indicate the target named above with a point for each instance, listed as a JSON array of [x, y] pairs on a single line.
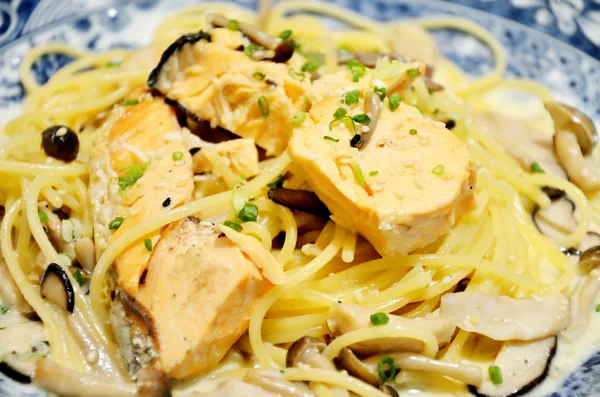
[[583, 305], [590, 258], [56, 287], [502, 318], [275, 383], [300, 200], [557, 220], [373, 108], [523, 365], [568, 118], [581, 170]]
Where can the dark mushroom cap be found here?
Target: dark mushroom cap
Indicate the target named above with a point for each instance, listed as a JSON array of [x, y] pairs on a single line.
[[348, 361], [301, 200], [300, 347], [12, 373], [60, 142], [590, 258], [568, 118], [56, 287]]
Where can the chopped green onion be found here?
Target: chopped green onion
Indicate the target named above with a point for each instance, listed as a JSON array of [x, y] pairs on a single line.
[[360, 178], [297, 47], [357, 69], [3, 309], [250, 49], [330, 138], [300, 76], [597, 308], [382, 371], [495, 374], [233, 25], [313, 62], [436, 111], [298, 119], [413, 131], [79, 277], [379, 319], [373, 173], [132, 173], [535, 167], [341, 112], [413, 72], [235, 226], [243, 177], [148, 244], [131, 102], [249, 213], [43, 216], [115, 223], [286, 34], [351, 97], [347, 120], [438, 170], [419, 109], [113, 64], [362, 118], [307, 103], [263, 105], [394, 100], [259, 76], [256, 237], [177, 155], [278, 182], [381, 91]]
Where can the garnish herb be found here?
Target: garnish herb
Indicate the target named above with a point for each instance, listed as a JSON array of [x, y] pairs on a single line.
[[235, 226], [535, 167], [436, 111], [148, 244], [362, 118], [413, 131], [177, 155], [373, 173], [391, 368], [263, 105], [394, 101], [379, 319], [132, 173], [357, 69], [495, 374], [340, 115], [413, 72], [43, 217], [307, 103], [278, 182], [341, 112], [3, 309], [113, 64], [249, 213], [286, 34], [259, 76], [233, 25], [250, 49], [300, 76], [330, 138], [117, 222], [360, 178], [313, 62], [438, 170], [381, 91], [78, 277], [131, 102], [351, 97], [597, 308], [298, 119]]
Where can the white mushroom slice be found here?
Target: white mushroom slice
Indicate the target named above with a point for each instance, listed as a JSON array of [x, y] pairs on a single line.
[[581, 170], [345, 317], [583, 305], [523, 366], [503, 318]]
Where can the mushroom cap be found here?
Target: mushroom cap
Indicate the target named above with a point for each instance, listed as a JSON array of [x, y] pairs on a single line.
[[56, 287], [299, 348], [568, 118]]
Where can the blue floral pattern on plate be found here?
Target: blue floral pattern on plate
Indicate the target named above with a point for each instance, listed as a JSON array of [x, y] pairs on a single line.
[[571, 73]]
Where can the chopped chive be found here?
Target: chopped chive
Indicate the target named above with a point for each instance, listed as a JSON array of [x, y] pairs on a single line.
[[330, 138], [391, 368], [243, 177], [285, 35], [436, 111], [535, 167], [394, 101], [263, 105], [249, 213], [351, 97], [258, 238], [298, 119], [346, 120], [438, 170], [297, 47], [412, 131], [495, 374], [360, 178], [113, 64], [381, 91], [362, 118], [131, 102], [278, 182], [79, 277], [259, 76], [341, 112], [379, 319], [115, 223], [177, 155], [357, 69], [250, 49], [148, 244], [300, 76], [132, 174], [413, 72], [597, 308], [43, 216], [373, 173], [235, 226], [233, 25], [313, 62], [3, 309]]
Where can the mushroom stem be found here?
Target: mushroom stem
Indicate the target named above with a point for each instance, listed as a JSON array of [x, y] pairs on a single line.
[[276, 385], [583, 306], [373, 108], [570, 154]]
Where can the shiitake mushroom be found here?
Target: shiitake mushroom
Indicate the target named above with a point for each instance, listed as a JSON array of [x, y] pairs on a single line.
[[56, 287], [60, 142], [300, 200]]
